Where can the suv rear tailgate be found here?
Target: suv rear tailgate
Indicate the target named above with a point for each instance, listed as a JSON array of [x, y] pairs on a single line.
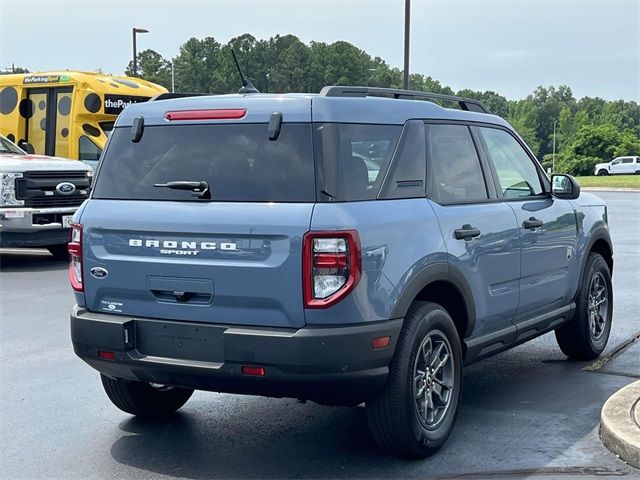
[[219, 262]]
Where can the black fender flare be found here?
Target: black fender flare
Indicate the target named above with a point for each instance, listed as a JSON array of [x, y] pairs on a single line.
[[434, 272], [601, 233]]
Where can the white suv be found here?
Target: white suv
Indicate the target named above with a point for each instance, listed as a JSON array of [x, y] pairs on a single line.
[[624, 165]]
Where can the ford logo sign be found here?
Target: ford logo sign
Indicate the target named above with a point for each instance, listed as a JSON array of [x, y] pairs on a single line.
[[99, 272], [66, 188]]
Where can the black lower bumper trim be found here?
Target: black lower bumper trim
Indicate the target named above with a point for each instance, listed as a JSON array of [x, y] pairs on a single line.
[[331, 365]]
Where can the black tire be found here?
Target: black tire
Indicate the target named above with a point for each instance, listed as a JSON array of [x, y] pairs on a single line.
[[586, 335], [394, 416], [59, 251], [142, 399], [602, 173]]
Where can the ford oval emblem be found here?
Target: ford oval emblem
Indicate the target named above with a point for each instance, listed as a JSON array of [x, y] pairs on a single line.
[[99, 272], [66, 188]]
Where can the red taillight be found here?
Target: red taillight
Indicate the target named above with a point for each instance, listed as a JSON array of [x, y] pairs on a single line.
[[75, 257], [209, 114], [332, 266], [255, 371], [106, 355]]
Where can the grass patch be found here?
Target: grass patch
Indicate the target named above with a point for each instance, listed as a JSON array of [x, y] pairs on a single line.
[[613, 181]]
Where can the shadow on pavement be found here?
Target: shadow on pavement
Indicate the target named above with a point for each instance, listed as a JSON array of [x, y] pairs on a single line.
[[508, 402], [15, 260]]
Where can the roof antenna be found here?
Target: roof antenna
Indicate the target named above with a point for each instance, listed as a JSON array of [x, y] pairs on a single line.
[[247, 86]]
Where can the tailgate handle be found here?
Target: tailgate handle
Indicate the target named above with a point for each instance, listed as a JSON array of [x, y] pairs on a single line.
[[181, 297], [181, 290]]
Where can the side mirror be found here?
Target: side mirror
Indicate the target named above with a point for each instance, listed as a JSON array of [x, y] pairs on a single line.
[[564, 186], [27, 147]]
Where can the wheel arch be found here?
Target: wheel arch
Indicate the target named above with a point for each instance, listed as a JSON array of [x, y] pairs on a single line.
[[445, 285], [600, 242]]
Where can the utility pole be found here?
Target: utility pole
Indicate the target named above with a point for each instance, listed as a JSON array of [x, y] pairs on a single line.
[[135, 31], [553, 162], [173, 78], [407, 23], [369, 70]]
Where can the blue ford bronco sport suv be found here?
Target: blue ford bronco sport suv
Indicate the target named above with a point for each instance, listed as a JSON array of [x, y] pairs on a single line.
[[357, 245]]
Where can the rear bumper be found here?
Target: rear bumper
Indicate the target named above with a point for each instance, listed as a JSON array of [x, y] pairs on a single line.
[[333, 365]]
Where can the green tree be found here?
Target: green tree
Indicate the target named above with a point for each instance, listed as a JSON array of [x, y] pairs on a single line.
[[594, 144], [628, 144], [152, 67], [587, 129], [596, 141], [548, 102], [568, 126], [290, 62], [197, 67], [495, 103], [523, 116]]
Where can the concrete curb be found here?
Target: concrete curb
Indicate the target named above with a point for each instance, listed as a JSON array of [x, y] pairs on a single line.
[[610, 189], [620, 424]]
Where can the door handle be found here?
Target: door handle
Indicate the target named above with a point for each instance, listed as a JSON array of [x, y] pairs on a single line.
[[532, 223], [467, 232]]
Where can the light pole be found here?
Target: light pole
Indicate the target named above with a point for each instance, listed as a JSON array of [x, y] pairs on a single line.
[[135, 31], [407, 22], [369, 70], [173, 78], [553, 162]]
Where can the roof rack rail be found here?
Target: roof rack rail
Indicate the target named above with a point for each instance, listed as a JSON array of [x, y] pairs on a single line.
[[170, 95], [468, 104]]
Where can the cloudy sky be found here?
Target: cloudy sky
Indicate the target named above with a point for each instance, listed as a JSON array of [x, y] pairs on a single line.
[[509, 46]]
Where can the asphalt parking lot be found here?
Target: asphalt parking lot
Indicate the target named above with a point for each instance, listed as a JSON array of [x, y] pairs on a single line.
[[525, 413]]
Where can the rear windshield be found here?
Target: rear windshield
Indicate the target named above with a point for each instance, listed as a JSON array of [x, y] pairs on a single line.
[[238, 161]]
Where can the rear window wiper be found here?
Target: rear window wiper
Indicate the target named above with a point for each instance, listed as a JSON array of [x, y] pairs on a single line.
[[200, 189]]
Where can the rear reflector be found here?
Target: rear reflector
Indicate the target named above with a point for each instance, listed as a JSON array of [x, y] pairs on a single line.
[[381, 342], [106, 355], [255, 371], [211, 114]]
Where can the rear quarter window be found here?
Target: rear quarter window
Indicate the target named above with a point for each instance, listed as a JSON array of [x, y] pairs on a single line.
[[354, 158]]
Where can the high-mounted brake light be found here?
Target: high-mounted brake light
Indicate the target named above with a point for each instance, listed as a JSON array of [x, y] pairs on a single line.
[[75, 257], [209, 114], [332, 266]]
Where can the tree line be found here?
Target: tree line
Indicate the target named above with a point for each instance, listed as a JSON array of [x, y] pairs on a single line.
[[588, 130]]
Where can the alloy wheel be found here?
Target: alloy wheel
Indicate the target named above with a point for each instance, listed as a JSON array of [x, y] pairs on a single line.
[[598, 305], [433, 379]]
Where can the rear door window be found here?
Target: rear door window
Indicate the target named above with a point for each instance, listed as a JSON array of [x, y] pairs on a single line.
[[454, 171], [238, 161]]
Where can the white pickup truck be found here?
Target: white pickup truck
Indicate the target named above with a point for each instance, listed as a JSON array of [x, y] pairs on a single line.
[[38, 197], [619, 166]]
